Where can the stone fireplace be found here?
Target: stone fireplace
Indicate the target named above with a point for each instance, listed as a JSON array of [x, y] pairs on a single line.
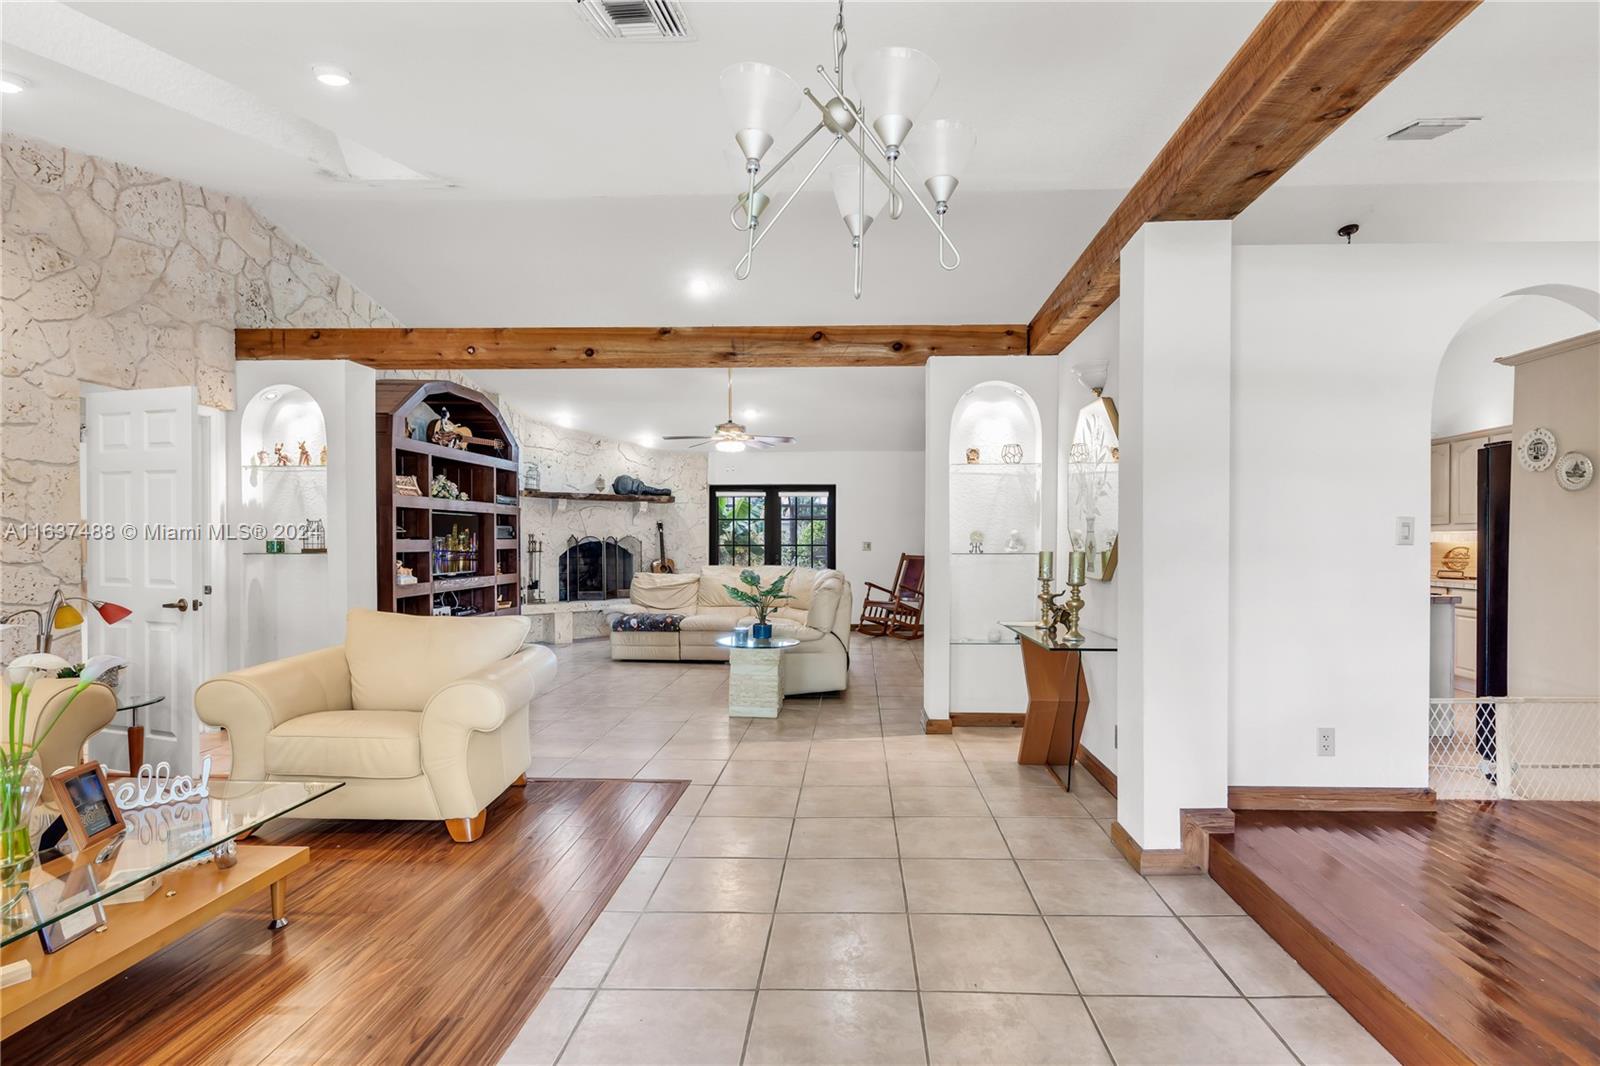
[[595, 568]]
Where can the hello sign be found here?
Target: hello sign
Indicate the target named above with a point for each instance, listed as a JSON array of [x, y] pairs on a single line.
[[155, 786]]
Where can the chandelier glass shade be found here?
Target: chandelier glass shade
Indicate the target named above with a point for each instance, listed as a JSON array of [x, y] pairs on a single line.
[[898, 83], [895, 85]]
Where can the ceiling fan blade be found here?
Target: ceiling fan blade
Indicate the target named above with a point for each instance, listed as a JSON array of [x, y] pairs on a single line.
[[689, 436], [770, 440], [701, 444]]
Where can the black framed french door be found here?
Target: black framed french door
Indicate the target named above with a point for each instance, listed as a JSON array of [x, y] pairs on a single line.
[[777, 525]]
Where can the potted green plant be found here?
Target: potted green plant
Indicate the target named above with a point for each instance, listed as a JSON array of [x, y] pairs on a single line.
[[20, 778], [761, 600]]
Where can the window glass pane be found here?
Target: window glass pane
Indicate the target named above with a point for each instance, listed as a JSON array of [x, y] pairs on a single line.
[[740, 536]]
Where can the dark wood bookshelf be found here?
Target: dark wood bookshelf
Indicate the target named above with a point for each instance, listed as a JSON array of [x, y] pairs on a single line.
[[413, 529]]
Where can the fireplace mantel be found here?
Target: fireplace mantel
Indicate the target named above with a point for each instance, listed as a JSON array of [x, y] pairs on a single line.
[[595, 497]]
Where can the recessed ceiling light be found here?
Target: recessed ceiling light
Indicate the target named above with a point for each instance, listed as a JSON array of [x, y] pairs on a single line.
[[1426, 129], [646, 440], [14, 83], [564, 419], [749, 414], [703, 286], [332, 77]]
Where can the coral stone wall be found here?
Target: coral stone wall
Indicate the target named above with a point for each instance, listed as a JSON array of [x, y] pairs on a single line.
[[118, 277], [570, 461]]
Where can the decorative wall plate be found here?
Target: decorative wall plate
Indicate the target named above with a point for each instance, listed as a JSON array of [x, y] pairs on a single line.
[[1574, 471], [1537, 449]]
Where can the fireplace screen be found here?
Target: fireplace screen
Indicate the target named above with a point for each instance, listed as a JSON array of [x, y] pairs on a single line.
[[596, 569]]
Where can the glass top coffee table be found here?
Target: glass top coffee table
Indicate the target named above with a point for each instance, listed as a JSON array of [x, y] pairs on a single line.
[[755, 674], [53, 886]]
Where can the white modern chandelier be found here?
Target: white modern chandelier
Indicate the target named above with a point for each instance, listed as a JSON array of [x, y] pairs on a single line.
[[896, 83]]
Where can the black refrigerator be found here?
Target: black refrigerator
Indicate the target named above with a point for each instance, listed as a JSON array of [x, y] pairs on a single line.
[[1494, 565]]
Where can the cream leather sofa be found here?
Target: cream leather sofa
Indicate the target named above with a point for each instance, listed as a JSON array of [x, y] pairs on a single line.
[[423, 718], [818, 616]]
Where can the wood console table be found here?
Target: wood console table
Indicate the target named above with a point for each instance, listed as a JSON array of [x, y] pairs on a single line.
[[1058, 696]]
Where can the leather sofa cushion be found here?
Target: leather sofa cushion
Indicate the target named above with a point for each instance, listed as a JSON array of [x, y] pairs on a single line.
[[714, 578], [343, 744], [399, 660], [713, 619], [664, 592]]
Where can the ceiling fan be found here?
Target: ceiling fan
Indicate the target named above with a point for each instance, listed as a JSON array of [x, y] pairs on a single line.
[[730, 436]]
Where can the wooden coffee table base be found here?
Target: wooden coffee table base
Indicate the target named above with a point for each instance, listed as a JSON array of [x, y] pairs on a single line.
[[134, 931]]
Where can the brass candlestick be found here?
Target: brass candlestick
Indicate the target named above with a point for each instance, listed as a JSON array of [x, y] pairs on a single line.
[[1047, 604], [1069, 616], [1077, 563]]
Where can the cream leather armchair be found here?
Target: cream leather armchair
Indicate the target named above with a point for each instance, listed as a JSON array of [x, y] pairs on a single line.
[[423, 718], [91, 712]]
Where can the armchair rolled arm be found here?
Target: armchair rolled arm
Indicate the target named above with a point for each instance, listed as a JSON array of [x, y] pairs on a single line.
[[484, 699], [248, 703], [463, 781]]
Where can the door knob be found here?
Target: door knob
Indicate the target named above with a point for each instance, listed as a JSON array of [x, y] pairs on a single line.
[[180, 604]]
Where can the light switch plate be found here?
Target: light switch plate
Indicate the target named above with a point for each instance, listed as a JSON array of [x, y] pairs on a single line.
[[866, 545], [1405, 530]]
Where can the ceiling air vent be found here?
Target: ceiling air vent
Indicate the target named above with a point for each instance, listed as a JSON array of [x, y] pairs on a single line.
[[635, 20], [1426, 129]]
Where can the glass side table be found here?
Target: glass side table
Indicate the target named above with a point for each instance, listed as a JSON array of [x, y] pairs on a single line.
[[755, 674], [134, 703]]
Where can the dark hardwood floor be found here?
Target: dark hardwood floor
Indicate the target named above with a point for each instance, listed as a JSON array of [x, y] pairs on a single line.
[[402, 947], [1469, 935]]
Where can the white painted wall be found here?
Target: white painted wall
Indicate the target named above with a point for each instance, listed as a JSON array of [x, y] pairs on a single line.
[[878, 500], [1553, 602], [1093, 355], [947, 380], [1173, 544], [1474, 392], [279, 606], [1335, 355]]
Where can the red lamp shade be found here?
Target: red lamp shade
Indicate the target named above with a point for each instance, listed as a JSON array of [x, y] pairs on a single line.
[[110, 613]]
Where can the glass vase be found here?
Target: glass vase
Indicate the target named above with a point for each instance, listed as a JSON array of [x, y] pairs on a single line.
[[21, 782]]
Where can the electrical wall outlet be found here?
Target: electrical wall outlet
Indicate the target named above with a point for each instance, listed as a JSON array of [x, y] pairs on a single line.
[[1324, 742]]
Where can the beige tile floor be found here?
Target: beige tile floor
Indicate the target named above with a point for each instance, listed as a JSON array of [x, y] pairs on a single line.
[[837, 887]]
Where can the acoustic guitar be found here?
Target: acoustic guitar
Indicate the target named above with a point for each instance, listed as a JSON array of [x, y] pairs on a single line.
[[662, 565]]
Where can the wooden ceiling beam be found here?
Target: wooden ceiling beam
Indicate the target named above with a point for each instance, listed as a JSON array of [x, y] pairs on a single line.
[[632, 347], [1306, 68]]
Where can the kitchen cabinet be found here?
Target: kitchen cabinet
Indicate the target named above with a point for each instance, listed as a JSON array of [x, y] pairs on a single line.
[[1466, 644], [1464, 480], [1453, 478], [1439, 482]]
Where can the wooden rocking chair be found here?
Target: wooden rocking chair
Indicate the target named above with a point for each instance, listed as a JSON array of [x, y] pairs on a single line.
[[895, 612]]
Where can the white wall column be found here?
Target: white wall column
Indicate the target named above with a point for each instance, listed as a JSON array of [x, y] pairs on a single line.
[[1175, 355]]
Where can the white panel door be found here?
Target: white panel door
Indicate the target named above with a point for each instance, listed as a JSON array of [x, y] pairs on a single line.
[[142, 479]]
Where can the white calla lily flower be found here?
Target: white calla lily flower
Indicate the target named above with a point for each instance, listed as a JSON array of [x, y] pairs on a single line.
[[98, 666], [24, 669]]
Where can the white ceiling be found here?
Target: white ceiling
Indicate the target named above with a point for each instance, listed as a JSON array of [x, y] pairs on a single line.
[[521, 101], [587, 184], [856, 409]]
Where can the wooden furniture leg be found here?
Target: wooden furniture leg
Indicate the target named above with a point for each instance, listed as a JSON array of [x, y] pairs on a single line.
[[1058, 704], [279, 891], [135, 749], [522, 779], [466, 830]]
